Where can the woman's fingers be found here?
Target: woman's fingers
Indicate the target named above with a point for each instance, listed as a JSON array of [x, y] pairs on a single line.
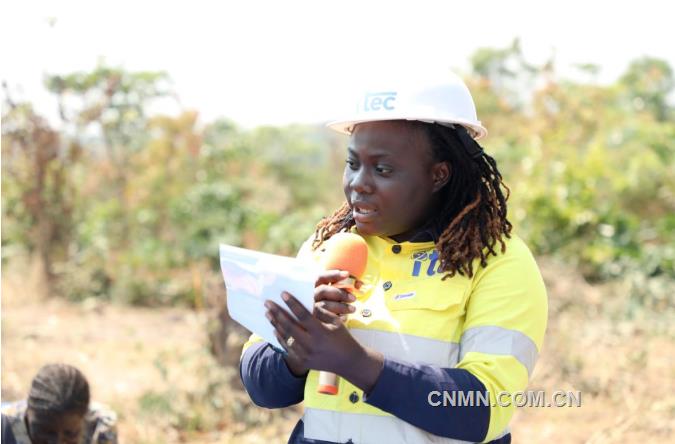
[[326, 316], [334, 299], [301, 313], [281, 339], [335, 307], [329, 293], [284, 323], [295, 348], [330, 277], [275, 313]]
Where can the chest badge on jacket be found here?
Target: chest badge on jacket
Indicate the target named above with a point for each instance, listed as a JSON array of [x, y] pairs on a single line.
[[425, 262]]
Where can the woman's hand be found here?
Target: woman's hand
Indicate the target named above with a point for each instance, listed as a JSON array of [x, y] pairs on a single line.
[[322, 342], [333, 299]]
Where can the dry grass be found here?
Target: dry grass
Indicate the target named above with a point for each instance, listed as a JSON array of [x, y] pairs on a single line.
[[154, 368], [624, 368]]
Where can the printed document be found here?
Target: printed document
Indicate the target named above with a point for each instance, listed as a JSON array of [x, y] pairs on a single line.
[[251, 277]]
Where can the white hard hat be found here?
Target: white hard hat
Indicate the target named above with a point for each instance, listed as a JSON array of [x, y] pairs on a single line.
[[442, 99]]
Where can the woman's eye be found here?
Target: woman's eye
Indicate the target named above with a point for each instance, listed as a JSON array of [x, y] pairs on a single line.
[[351, 163], [383, 169]]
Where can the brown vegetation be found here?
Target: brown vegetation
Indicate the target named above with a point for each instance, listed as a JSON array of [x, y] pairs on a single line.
[[155, 368]]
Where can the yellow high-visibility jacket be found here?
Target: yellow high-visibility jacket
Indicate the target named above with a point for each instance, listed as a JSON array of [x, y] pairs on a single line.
[[439, 337]]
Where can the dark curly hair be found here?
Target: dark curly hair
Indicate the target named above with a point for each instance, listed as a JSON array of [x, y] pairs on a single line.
[[473, 203]]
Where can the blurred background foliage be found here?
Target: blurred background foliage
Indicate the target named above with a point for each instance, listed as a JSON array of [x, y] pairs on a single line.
[[123, 204]]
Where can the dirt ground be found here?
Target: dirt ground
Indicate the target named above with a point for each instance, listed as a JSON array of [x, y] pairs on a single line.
[[154, 368]]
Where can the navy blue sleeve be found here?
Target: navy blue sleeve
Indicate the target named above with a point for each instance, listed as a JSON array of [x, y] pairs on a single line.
[[267, 378], [415, 394]]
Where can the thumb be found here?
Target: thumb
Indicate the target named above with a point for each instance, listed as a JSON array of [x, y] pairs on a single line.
[[330, 277]]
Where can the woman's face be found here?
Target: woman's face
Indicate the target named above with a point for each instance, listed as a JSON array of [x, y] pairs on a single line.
[[62, 429], [391, 178]]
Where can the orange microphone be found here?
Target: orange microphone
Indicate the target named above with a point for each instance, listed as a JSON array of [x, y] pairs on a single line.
[[347, 252]]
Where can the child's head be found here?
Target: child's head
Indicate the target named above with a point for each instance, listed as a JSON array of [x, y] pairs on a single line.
[[57, 404]]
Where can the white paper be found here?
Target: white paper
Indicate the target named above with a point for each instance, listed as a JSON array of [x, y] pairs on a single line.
[[252, 277]]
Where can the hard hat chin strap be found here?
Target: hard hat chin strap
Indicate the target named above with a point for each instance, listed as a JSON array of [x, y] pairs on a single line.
[[470, 145]]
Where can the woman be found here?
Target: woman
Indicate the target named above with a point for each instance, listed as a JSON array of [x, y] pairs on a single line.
[[58, 411], [453, 309]]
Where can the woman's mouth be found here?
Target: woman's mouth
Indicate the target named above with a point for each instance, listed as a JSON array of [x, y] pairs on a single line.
[[363, 213]]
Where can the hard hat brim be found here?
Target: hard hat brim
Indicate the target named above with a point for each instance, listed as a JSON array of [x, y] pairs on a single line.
[[476, 130]]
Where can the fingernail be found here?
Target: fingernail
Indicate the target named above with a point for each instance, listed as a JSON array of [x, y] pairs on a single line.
[[344, 274], [268, 305], [351, 297], [352, 309], [285, 296], [268, 316]]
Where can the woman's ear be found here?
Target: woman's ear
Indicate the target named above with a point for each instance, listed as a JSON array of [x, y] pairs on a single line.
[[440, 175]]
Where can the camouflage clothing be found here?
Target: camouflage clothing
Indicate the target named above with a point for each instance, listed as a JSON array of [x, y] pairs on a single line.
[[100, 423]]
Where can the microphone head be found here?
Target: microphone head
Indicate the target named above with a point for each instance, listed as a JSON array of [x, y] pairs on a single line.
[[346, 251]]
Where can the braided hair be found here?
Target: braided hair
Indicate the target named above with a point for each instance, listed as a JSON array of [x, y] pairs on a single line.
[[472, 213], [58, 389]]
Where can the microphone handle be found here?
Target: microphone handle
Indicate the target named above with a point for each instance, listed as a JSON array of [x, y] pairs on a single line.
[[328, 383]]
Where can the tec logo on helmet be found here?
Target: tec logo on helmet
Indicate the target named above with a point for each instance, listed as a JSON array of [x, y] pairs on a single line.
[[379, 101]]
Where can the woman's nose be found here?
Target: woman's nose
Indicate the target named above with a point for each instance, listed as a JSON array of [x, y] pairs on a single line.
[[361, 182]]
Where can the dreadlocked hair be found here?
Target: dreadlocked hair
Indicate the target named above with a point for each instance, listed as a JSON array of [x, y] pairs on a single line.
[[58, 389], [472, 203]]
